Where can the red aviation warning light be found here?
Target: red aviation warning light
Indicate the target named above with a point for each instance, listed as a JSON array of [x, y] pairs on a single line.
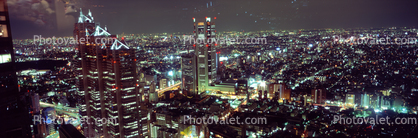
[[214, 18]]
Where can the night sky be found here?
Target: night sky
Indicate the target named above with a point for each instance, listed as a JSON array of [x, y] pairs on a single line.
[[158, 16]]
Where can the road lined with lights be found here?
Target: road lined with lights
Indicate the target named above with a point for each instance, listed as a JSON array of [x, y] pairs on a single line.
[[160, 92]]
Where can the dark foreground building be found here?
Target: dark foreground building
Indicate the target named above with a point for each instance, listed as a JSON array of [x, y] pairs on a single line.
[[14, 111]]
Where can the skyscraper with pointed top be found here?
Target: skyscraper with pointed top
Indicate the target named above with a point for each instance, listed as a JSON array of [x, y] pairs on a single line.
[[108, 83]]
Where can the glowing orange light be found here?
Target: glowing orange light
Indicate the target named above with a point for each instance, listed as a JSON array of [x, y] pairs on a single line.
[[114, 61], [214, 18]]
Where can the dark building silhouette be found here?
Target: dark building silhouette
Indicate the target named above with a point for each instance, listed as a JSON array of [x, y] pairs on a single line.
[[14, 104], [69, 131]]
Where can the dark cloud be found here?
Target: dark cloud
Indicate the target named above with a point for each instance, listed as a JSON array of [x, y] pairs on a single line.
[[140, 16]]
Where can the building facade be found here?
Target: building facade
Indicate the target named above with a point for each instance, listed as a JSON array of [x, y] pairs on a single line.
[[188, 74], [318, 96], [108, 81], [205, 49]]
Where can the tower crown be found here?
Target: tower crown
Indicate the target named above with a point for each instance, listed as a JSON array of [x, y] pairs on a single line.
[[85, 19]]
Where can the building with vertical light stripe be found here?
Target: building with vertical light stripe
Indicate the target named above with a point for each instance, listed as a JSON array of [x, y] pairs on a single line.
[[108, 82], [318, 96], [206, 53]]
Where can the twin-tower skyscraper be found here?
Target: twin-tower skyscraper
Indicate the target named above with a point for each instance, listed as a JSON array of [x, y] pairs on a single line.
[[199, 70]]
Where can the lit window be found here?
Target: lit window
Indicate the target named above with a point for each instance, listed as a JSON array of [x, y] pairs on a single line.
[[3, 30]]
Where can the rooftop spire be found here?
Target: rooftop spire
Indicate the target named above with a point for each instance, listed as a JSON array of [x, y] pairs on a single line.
[[80, 18], [90, 13]]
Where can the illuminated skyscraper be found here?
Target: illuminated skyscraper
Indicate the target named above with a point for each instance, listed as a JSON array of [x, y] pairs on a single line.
[[349, 99], [188, 74], [365, 100], [318, 96], [13, 105], [107, 81], [205, 50]]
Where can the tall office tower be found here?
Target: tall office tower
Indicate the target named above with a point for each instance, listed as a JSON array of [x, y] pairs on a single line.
[[205, 50], [107, 81], [163, 83], [365, 100], [273, 88], [349, 99], [319, 96], [284, 92], [13, 110], [188, 74]]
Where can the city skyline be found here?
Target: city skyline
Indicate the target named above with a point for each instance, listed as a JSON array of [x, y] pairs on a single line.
[[238, 69]]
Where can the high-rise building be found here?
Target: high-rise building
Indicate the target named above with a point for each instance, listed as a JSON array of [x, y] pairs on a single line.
[[146, 93], [241, 86], [107, 81], [13, 104], [205, 50], [273, 88], [318, 96], [365, 100], [188, 74], [163, 83], [35, 103], [69, 131], [284, 92], [350, 98], [49, 114]]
